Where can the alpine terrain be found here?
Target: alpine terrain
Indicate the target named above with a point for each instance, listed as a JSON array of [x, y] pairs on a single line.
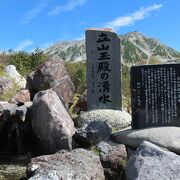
[[136, 49]]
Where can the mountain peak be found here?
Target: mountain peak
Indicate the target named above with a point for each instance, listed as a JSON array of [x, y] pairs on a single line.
[[135, 48]]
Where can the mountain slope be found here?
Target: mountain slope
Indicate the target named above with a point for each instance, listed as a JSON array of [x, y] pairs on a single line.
[[135, 48]]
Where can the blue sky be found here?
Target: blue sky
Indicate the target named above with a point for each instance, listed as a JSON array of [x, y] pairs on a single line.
[[39, 23]]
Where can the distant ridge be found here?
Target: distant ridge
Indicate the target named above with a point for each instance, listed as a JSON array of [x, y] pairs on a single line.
[[136, 48]]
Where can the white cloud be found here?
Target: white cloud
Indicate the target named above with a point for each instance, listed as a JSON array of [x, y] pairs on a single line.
[[23, 45], [132, 18], [71, 5], [33, 13]]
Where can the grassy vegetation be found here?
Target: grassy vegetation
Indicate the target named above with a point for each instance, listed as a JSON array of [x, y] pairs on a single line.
[[9, 93], [154, 60], [77, 73], [2, 73], [24, 62], [95, 150], [132, 53]]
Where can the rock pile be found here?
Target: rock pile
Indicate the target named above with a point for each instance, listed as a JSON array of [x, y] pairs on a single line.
[[96, 145]]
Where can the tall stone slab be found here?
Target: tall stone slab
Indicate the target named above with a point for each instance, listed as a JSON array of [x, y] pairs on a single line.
[[103, 70], [155, 92]]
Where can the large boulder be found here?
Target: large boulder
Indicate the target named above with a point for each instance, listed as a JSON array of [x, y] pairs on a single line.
[[150, 162], [77, 164], [5, 84], [113, 157], [52, 74], [11, 71], [97, 125], [51, 123], [167, 137], [115, 119]]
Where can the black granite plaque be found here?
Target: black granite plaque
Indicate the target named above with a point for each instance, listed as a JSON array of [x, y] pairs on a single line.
[[155, 91]]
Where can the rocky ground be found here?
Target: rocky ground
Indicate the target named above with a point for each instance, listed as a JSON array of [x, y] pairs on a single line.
[[36, 125]]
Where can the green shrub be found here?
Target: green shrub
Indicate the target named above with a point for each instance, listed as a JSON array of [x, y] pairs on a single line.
[[26, 62], [126, 86], [154, 60], [77, 73], [2, 73], [9, 93], [95, 150]]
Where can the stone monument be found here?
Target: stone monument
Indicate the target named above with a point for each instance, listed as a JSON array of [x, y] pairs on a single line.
[[155, 91], [103, 69]]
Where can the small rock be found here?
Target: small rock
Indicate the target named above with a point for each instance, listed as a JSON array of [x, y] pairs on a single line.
[[167, 137], [76, 164], [150, 162], [113, 157]]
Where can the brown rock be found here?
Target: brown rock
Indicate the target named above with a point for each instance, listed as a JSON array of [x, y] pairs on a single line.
[[65, 88], [113, 157], [21, 97], [81, 104]]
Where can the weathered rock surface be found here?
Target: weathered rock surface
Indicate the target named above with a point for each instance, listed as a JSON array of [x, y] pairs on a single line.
[[150, 162], [13, 73], [77, 164], [13, 113], [114, 118], [113, 157], [65, 88], [92, 133], [5, 105], [167, 137], [5, 84], [21, 97], [51, 123], [52, 73]]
